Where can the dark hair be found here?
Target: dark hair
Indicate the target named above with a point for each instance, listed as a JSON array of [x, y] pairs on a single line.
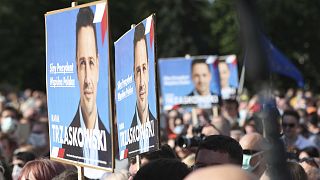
[[165, 151], [139, 35], [160, 169], [12, 109], [25, 156], [291, 113], [296, 172], [199, 61], [223, 144], [42, 169], [313, 119], [311, 151], [85, 18]]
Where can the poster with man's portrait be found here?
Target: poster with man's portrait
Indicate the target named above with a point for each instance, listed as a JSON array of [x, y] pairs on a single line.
[[189, 82], [77, 72], [136, 98], [228, 73]]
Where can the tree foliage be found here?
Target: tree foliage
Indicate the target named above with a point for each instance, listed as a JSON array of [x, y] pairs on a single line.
[[193, 27]]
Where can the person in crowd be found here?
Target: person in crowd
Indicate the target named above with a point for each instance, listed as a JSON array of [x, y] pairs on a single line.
[[296, 172], [8, 144], [171, 169], [314, 129], [165, 152], [292, 140], [39, 138], [311, 167], [41, 169], [19, 160], [308, 152], [254, 153], [222, 125], [229, 111], [221, 172], [218, 149]]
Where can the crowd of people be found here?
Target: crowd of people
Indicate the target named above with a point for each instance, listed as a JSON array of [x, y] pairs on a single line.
[[195, 143]]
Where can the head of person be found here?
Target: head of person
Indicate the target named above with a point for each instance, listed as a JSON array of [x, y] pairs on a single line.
[[290, 123], [141, 68], [201, 76], [7, 146], [87, 61], [163, 169], [41, 169], [216, 150], [19, 160], [165, 152], [254, 147], [296, 172], [224, 73], [220, 172], [9, 120], [68, 174], [209, 130], [309, 152], [39, 135]]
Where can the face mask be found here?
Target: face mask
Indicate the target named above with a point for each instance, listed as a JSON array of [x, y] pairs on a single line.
[[178, 129], [246, 162], [8, 125], [16, 172], [37, 140]]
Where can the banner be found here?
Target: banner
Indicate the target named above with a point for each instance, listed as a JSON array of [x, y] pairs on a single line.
[[228, 73], [78, 85], [189, 82], [135, 97]]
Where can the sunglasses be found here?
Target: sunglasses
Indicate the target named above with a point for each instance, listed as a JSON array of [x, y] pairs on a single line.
[[290, 125], [310, 161], [249, 152]]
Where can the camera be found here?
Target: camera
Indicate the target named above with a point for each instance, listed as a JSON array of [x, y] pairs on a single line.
[[185, 142]]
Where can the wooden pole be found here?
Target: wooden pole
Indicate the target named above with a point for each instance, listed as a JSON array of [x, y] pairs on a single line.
[[138, 162]]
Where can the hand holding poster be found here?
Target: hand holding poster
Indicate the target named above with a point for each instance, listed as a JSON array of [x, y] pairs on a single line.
[[77, 85], [136, 90]]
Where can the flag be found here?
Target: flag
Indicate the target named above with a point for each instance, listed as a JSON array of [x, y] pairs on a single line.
[[279, 63]]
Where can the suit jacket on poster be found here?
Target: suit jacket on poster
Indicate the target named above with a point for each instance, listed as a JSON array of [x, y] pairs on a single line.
[[152, 140], [78, 151]]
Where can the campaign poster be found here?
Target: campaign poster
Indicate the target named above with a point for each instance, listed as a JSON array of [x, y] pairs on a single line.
[[189, 82], [77, 80], [228, 73], [135, 97]]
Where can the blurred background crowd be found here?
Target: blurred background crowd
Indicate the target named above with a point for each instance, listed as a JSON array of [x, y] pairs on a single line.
[[237, 130]]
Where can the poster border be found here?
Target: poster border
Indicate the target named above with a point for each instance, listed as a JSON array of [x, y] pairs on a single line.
[[66, 161]]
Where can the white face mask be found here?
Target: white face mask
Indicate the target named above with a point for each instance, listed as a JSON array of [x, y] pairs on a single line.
[[16, 172], [8, 125], [246, 162], [37, 140]]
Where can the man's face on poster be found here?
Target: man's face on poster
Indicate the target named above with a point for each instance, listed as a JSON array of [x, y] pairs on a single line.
[[201, 78], [141, 74], [87, 69], [224, 74]]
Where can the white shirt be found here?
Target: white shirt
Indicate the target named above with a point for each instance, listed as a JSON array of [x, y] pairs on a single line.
[[143, 142], [90, 155]]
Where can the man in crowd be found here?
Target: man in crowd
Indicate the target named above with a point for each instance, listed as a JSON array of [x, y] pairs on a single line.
[[218, 149], [291, 138], [254, 153]]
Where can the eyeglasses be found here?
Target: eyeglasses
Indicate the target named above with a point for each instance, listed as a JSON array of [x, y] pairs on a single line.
[[290, 125]]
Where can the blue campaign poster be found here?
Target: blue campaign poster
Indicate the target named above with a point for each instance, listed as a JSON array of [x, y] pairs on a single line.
[[77, 64], [135, 97], [189, 82]]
